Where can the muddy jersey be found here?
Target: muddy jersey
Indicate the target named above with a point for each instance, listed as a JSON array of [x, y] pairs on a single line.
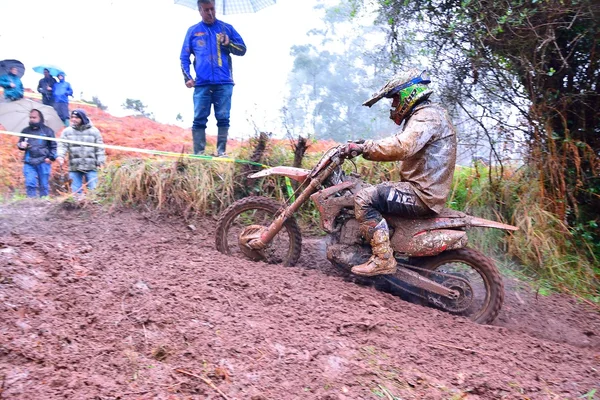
[[426, 147]]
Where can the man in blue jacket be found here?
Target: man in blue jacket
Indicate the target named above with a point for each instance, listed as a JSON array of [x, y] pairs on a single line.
[[13, 87], [62, 91], [212, 42], [39, 153]]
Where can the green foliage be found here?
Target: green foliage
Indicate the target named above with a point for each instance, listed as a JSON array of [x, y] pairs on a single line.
[[137, 106], [98, 103]]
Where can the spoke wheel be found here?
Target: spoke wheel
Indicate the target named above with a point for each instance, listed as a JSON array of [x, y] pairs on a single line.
[[480, 300], [249, 216]]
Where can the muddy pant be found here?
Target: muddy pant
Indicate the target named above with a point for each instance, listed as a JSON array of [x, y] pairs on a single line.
[[387, 198]]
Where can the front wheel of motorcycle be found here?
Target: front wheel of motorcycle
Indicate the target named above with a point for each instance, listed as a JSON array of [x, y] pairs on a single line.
[[486, 288], [254, 213]]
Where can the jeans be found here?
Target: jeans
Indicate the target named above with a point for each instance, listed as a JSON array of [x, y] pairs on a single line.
[[204, 97], [62, 109], [36, 178], [91, 180]]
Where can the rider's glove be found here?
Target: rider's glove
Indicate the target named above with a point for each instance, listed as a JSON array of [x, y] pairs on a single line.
[[351, 150]]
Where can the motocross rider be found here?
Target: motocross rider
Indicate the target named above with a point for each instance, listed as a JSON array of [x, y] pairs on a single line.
[[426, 145]]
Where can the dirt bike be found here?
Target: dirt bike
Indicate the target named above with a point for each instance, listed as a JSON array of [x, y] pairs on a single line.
[[434, 264]]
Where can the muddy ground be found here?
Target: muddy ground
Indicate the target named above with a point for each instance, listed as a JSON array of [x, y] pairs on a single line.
[[100, 304]]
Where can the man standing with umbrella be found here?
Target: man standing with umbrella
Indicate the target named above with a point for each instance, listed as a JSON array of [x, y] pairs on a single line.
[[39, 153], [212, 42], [46, 87], [62, 91], [13, 87]]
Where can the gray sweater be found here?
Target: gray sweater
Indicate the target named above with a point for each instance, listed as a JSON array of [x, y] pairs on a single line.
[[82, 158]]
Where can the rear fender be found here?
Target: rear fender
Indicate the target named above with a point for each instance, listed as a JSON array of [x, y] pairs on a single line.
[[429, 243], [297, 174], [486, 223]]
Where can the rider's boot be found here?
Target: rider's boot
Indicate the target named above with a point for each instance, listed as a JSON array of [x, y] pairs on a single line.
[[382, 261]]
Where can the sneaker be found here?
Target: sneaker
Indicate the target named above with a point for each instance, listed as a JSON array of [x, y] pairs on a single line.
[[200, 153], [220, 155]]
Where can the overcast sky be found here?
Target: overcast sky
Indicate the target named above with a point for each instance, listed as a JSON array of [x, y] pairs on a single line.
[[118, 49]]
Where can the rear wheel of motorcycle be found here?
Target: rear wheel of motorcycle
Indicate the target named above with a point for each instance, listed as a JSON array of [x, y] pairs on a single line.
[[466, 263], [285, 247]]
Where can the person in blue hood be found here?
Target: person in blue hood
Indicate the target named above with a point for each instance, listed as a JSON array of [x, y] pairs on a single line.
[[13, 87], [212, 42], [61, 92], [39, 153]]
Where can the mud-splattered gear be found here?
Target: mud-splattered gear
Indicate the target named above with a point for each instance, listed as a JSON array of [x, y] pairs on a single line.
[[351, 150], [408, 88], [387, 198], [427, 148], [382, 262]]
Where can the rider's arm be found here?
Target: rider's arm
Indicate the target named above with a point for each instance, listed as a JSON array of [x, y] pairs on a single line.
[[419, 130]]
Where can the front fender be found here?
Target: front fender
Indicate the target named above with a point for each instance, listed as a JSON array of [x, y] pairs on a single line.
[[297, 174]]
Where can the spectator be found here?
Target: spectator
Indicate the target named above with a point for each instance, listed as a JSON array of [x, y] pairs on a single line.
[[46, 87], [83, 160], [212, 42], [62, 91], [39, 153], [13, 87]]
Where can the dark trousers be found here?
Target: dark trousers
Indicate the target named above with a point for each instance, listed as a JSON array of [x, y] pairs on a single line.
[[387, 198]]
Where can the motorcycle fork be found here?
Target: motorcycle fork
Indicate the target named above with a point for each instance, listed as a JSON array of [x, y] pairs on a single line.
[[276, 225]]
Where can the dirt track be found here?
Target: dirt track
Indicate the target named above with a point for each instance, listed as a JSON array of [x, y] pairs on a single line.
[[99, 305]]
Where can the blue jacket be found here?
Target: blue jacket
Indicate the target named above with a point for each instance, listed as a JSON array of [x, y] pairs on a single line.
[[212, 62], [62, 91], [39, 149], [10, 93]]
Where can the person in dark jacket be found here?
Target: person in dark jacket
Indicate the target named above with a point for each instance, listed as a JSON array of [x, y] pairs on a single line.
[[39, 153], [62, 91], [13, 87], [46, 88], [212, 42]]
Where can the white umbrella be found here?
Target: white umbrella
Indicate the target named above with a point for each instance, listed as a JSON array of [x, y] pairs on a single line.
[[226, 7], [14, 115]]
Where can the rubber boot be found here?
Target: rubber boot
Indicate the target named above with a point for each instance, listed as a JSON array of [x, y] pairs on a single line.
[[223, 132], [199, 140], [382, 262]]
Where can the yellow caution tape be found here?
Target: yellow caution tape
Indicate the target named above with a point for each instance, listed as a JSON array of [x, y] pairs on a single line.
[[288, 183]]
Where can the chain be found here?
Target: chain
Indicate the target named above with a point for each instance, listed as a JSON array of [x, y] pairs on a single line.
[[396, 283]]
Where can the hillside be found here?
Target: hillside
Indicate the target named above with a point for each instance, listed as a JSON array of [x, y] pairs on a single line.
[[131, 131]]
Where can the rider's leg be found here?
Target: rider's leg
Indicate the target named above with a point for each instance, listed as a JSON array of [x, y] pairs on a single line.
[[374, 228], [389, 198]]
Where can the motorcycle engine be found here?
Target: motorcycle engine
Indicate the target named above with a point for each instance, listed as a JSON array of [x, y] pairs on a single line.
[[345, 248]]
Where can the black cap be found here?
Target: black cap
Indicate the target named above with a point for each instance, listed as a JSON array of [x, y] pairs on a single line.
[[82, 115]]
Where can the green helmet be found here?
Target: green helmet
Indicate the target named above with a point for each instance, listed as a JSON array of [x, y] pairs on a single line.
[[407, 89]]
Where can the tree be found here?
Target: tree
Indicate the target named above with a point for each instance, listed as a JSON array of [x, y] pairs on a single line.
[[98, 103], [330, 81], [137, 106], [539, 57]]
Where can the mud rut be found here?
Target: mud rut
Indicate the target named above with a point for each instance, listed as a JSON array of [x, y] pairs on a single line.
[[114, 305]]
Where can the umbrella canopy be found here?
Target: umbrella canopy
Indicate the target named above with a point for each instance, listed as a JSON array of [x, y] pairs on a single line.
[[54, 70], [227, 7], [14, 115], [6, 65]]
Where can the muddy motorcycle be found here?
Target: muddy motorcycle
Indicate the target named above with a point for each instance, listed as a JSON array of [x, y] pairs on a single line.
[[434, 265]]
